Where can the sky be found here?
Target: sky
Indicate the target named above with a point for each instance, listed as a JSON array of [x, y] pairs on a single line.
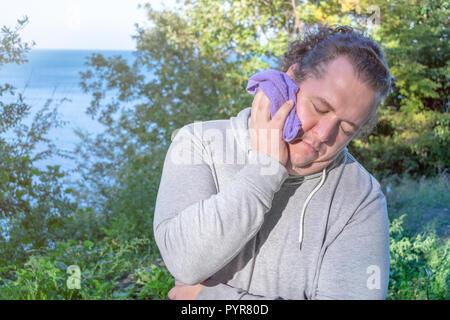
[[78, 24]]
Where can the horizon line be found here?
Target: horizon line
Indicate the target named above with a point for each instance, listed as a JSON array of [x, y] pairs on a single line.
[[83, 49]]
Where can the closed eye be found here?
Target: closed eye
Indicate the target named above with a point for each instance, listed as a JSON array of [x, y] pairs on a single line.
[[319, 111], [348, 133]]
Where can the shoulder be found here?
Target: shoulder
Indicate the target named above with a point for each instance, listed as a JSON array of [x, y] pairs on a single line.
[[362, 185], [206, 141], [203, 130], [214, 136], [359, 179]]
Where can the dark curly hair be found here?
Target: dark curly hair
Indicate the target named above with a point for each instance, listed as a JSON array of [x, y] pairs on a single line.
[[322, 44]]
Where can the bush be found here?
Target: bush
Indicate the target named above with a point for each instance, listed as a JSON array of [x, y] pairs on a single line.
[[155, 282], [420, 265], [403, 143], [39, 279], [102, 266]]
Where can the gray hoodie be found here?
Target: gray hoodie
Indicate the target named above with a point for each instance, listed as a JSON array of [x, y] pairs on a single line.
[[233, 218]]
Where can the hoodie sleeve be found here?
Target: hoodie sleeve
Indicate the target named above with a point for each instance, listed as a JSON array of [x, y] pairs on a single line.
[[356, 263], [197, 229]]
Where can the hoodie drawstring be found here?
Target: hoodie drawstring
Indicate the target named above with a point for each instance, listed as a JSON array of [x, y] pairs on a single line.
[[302, 214]]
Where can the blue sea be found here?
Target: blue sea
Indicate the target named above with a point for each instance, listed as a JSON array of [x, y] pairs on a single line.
[[54, 74]]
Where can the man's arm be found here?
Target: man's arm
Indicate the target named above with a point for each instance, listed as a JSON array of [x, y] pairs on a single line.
[[198, 230]]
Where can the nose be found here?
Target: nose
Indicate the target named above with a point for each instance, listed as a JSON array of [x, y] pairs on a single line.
[[325, 129]]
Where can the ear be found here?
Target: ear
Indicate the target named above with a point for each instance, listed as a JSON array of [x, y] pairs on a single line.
[[290, 71]]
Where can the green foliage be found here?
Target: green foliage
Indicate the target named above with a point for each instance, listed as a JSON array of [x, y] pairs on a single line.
[[102, 267], [417, 51], [39, 279], [413, 132], [12, 48], [419, 211], [425, 202], [33, 206], [406, 143], [155, 282], [420, 265]]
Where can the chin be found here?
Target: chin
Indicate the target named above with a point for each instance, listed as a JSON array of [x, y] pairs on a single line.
[[301, 160]]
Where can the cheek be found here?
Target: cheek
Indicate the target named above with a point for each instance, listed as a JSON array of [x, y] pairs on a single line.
[[307, 118]]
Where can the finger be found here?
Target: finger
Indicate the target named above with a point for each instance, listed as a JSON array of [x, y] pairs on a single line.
[[258, 96], [283, 112], [179, 283], [255, 105], [265, 108], [172, 293], [260, 108]]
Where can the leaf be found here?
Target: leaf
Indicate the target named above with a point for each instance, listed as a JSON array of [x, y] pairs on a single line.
[[88, 244]]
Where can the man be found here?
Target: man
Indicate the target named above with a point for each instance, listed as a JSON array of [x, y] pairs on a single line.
[[241, 214]]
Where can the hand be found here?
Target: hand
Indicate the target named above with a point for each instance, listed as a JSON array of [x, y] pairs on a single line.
[[267, 134], [183, 291]]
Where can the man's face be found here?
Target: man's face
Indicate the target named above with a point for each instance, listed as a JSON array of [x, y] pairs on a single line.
[[331, 110]]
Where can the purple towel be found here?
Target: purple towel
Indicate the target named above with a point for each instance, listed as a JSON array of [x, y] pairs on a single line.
[[279, 88]]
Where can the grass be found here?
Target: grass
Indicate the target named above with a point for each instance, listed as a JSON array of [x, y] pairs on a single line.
[[419, 237], [425, 202]]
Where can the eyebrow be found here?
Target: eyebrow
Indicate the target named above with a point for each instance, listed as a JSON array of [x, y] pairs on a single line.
[[329, 106]]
